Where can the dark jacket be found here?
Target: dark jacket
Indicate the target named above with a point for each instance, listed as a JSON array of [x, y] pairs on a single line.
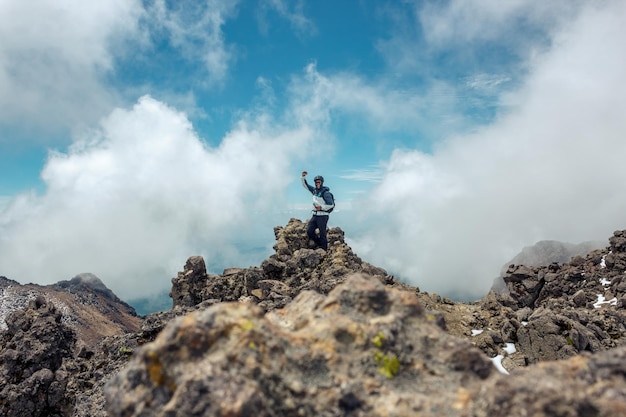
[[321, 197]]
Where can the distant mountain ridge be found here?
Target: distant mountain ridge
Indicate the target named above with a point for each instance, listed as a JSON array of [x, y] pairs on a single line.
[[85, 303], [545, 252]]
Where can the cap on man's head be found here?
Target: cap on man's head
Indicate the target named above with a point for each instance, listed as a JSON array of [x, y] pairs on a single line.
[[319, 178]]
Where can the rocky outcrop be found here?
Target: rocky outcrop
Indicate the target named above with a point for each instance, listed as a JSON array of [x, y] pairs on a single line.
[[292, 269], [33, 377], [364, 350], [559, 310], [84, 302], [59, 345], [323, 333], [546, 313], [546, 252], [581, 386]]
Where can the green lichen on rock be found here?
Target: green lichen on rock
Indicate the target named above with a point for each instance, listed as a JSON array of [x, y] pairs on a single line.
[[246, 325], [389, 365], [125, 350], [378, 340]]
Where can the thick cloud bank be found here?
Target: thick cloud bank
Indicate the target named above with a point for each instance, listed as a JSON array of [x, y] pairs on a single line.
[[53, 54], [551, 167], [131, 202]]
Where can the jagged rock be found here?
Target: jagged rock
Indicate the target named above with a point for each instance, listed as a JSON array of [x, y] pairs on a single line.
[[618, 241], [580, 298], [189, 283], [550, 336], [84, 302], [294, 265], [365, 349], [547, 312], [53, 356], [32, 373], [584, 385], [296, 336], [565, 308], [524, 284], [547, 252]]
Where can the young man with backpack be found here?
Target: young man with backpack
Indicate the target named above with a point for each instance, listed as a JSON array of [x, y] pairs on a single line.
[[323, 204]]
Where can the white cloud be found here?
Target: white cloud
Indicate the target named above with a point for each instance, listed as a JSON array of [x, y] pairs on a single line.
[[131, 199], [4, 202], [295, 15], [57, 58], [52, 57], [548, 169], [431, 111], [372, 174], [480, 41], [131, 202], [195, 28], [465, 22]]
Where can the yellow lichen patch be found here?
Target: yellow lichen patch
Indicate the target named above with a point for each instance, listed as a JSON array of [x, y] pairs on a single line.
[[155, 369], [389, 365], [241, 329], [126, 350], [246, 324], [378, 340], [430, 317], [157, 373]]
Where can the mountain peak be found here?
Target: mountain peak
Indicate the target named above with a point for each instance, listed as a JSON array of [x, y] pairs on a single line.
[[296, 266]]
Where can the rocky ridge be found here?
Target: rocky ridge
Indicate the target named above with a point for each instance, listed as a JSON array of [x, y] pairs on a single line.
[[546, 252], [84, 302], [327, 334]]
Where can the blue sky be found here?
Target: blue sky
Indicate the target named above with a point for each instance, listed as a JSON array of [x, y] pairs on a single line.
[[134, 134]]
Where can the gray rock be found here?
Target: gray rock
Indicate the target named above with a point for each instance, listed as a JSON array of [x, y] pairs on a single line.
[[584, 385], [32, 375], [323, 333], [365, 349]]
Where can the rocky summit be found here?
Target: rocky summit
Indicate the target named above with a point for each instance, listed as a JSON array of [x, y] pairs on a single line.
[[315, 333]]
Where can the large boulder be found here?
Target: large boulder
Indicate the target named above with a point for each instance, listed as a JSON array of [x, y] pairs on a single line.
[[581, 386], [363, 350]]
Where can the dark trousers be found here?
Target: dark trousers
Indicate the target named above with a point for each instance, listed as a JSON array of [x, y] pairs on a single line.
[[318, 222]]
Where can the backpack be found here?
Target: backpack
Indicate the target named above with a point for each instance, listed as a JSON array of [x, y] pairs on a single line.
[[330, 210]]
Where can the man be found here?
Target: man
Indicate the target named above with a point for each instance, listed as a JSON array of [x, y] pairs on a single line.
[[323, 203]]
